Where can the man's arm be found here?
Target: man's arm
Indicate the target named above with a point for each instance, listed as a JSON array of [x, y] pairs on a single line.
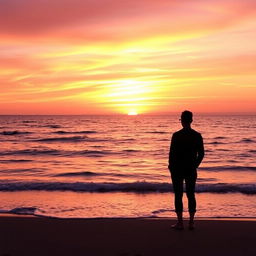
[[171, 152], [200, 153]]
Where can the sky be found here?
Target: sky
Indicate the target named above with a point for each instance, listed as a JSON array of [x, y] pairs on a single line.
[[121, 57]]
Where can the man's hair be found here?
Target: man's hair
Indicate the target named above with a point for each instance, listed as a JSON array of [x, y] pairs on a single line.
[[187, 116]]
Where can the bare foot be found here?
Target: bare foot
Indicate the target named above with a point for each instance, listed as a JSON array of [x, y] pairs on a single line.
[[191, 225], [178, 226]]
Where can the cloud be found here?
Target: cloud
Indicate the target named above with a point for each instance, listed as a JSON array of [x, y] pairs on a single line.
[[113, 54], [111, 20], [35, 17]]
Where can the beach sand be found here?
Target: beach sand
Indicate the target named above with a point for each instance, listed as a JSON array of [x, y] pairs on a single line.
[[22, 235]]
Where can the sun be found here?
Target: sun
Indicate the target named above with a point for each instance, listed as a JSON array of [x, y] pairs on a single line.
[[132, 113]]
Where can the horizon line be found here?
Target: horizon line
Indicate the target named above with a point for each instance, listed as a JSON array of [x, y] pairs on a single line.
[[142, 114]]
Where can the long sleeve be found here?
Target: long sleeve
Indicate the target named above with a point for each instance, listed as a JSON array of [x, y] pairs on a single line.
[[171, 152], [200, 153]]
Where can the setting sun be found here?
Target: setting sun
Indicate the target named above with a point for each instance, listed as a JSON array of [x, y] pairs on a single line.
[[132, 113]]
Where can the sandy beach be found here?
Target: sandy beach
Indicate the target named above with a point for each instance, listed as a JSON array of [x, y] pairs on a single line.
[[22, 235]]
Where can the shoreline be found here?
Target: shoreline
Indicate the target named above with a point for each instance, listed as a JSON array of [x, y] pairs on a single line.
[[124, 218]]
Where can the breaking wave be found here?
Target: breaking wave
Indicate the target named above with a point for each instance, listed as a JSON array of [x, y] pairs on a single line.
[[229, 168], [24, 211], [135, 187]]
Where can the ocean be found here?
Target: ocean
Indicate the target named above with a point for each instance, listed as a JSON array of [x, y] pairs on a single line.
[[116, 166]]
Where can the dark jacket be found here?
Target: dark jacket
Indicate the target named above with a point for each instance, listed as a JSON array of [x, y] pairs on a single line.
[[186, 151]]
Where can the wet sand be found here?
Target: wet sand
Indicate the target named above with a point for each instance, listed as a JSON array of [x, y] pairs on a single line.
[[22, 235]]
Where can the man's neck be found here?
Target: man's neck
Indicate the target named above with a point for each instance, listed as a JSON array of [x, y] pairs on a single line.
[[187, 127]]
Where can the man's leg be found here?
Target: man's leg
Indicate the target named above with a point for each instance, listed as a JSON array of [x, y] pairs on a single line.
[[190, 191], [177, 183]]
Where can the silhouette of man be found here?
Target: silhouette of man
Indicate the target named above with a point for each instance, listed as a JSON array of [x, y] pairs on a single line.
[[186, 154]]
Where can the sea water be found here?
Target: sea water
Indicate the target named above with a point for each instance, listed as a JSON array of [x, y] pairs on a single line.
[[116, 166]]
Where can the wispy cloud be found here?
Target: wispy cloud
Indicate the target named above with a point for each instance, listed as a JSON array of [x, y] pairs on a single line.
[[111, 55]]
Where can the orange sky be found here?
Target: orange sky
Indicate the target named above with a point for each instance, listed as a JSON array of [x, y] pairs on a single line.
[[113, 56]]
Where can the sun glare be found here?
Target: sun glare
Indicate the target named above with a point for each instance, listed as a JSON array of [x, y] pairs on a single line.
[[132, 113]]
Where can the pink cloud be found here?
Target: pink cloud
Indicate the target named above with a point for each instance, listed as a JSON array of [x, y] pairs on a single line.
[[29, 16], [112, 20]]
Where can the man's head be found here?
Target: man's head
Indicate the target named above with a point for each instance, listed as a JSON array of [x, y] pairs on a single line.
[[186, 118]]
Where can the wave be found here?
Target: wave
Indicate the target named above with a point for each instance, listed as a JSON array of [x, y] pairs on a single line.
[[15, 160], [54, 152], [162, 211], [53, 126], [246, 140], [93, 153], [128, 139], [21, 210], [220, 138], [75, 174], [92, 174], [23, 170], [75, 132], [131, 150], [14, 133], [33, 211], [63, 139], [70, 139], [135, 187], [227, 188], [229, 168], [157, 132], [29, 121], [214, 143], [205, 179], [33, 152]]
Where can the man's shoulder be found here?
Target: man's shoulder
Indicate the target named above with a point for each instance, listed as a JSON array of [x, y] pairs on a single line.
[[182, 132], [196, 132], [177, 133]]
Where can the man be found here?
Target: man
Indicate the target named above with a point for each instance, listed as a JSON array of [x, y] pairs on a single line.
[[186, 154]]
